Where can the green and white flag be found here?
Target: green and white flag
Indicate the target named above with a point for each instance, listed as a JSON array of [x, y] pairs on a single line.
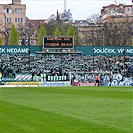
[[43, 77]]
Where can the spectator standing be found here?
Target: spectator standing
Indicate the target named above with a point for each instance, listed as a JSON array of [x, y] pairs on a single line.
[[97, 80]]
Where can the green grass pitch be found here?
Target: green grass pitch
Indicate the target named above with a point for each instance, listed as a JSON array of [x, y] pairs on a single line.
[[66, 110]]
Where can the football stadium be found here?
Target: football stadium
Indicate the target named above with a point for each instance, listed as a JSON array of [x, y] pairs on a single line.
[[44, 90], [62, 75]]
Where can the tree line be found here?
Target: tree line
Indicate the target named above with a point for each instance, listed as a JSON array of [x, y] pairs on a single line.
[[96, 34], [14, 37], [108, 34]]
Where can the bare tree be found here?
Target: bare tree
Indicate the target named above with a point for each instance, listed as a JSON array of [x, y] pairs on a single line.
[[3, 32], [117, 34], [125, 34], [108, 34], [92, 34], [27, 33], [95, 35], [93, 18]]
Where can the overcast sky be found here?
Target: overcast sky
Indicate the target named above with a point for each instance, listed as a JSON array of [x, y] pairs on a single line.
[[80, 9]]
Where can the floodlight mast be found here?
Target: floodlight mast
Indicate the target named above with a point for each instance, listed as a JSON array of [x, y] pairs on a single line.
[[64, 5]]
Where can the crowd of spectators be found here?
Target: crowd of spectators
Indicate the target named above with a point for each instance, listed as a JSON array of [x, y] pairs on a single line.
[[61, 64]]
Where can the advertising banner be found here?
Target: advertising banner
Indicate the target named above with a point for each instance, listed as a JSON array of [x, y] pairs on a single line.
[[44, 77], [105, 50], [19, 49], [88, 79], [113, 50], [7, 79], [62, 83], [23, 84], [83, 84], [125, 82], [86, 50], [18, 77], [23, 77]]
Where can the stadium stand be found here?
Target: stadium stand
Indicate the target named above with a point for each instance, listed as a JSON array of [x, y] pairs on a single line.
[[19, 64]]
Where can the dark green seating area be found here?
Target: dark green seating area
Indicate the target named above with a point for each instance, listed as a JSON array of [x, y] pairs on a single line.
[[22, 64]]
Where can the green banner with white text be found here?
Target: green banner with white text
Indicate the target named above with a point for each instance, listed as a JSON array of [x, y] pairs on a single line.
[[86, 50]]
